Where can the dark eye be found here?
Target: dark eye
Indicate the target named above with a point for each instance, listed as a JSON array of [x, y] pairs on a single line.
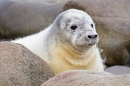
[[73, 27], [92, 25]]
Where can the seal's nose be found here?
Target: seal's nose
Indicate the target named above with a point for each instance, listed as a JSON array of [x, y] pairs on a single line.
[[93, 36]]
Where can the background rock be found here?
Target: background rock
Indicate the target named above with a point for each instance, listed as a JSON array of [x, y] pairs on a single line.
[[20, 67], [118, 70], [88, 78], [23, 17], [112, 20]]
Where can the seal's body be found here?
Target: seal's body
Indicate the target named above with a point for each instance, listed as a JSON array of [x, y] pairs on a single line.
[[68, 44]]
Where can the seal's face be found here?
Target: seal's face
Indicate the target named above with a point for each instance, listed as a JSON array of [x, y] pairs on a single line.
[[78, 28]]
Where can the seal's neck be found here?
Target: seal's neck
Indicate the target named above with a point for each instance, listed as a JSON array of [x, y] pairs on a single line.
[[71, 55], [64, 57]]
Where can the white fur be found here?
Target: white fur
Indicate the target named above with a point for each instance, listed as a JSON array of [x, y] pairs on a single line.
[[35, 43], [69, 50]]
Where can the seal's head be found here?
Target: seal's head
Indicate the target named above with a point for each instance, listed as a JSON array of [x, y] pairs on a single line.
[[77, 29]]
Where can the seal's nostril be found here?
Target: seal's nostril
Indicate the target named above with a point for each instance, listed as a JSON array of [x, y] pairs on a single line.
[[89, 36], [95, 36], [92, 36]]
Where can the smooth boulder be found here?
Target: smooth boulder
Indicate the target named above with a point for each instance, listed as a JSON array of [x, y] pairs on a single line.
[[21, 67], [24, 17], [88, 78]]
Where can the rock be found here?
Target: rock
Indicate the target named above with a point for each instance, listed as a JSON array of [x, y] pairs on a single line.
[[112, 20], [88, 78], [118, 70], [20, 67], [24, 17]]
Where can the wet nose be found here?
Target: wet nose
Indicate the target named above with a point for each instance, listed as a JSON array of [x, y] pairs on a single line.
[[93, 36]]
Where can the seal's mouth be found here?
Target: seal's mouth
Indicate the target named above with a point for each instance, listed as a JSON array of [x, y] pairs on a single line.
[[90, 44], [85, 46]]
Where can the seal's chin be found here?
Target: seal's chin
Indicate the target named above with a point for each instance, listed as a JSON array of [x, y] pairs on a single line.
[[85, 45], [91, 44]]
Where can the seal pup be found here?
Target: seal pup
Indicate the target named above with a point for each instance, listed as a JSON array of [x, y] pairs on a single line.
[[69, 43]]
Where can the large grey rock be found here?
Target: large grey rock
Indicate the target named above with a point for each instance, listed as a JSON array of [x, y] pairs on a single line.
[[88, 78], [112, 18], [24, 17], [20, 67]]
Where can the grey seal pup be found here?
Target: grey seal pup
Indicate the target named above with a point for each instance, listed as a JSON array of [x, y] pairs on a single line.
[[69, 43]]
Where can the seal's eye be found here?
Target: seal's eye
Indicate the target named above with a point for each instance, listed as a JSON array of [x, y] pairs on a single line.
[[73, 27], [92, 25]]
